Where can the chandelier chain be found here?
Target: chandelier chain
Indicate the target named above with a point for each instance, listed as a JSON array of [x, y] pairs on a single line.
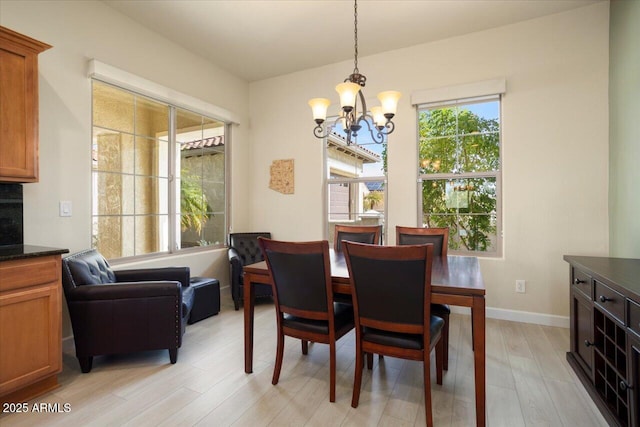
[[355, 37]]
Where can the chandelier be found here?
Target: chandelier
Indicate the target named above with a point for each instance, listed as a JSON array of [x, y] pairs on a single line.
[[353, 116]]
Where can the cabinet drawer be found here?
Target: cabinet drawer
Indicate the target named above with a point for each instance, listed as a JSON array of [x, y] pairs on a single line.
[[610, 300], [634, 317], [29, 272], [582, 282]]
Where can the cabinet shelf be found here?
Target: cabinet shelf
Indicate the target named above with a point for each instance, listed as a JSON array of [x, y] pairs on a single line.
[[607, 384], [610, 357], [611, 342]]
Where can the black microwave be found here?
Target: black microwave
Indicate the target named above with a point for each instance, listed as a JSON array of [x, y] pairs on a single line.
[[11, 227]]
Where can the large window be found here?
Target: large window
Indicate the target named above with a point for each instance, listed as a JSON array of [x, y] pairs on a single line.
[[356, 177], [158, 175], [459, 169]]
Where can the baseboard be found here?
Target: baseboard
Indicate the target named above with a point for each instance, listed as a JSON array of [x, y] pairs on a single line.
[[519, 316]]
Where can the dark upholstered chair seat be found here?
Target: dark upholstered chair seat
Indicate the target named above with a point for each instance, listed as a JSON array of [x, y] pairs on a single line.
[[394, 339], [206, 294], [439, 309], [343, 322]]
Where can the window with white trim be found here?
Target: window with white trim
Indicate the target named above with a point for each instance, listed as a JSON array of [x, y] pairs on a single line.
[[158, 175], [459, 146], [355, 182]]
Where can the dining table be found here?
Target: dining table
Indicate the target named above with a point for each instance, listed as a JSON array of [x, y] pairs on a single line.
[[456, 280]]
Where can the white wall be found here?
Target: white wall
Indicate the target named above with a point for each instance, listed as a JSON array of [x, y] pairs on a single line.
[[80, 31], [555, 136], [624, 131]]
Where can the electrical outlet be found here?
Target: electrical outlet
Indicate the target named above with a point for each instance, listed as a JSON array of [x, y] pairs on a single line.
[[520, 286]]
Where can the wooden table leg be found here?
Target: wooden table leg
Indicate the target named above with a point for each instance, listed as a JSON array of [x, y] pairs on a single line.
[[249, 303], [478, 318]]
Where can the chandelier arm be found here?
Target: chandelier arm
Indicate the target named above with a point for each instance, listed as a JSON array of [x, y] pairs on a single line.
[[364, 104], [389, 126], [321, 132], [377, 136]]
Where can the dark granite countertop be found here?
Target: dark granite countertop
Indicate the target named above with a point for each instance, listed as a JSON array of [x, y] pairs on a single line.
[[12, 252]]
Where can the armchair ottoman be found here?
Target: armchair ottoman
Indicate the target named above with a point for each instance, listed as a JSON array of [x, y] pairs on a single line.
[[206, 292]]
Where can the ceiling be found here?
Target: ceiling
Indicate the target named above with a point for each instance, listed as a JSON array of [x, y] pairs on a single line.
[[259, 39]]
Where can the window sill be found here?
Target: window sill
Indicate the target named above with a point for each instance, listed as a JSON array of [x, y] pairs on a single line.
[[165, 255]]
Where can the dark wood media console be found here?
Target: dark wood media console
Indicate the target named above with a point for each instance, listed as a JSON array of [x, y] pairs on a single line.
[[605, 334]]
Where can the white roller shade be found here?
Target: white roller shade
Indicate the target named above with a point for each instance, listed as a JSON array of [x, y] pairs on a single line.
[[467, 90], [115, 76]]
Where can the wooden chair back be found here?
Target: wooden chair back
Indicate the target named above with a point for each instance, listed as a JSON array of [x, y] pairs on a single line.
[[301, 277], [369, 234], [391, 286], [439, 237]]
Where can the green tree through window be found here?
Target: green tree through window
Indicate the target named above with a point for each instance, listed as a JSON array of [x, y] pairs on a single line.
[[194, 205], [459, 148]]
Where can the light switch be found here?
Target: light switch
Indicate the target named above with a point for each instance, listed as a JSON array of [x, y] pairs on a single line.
[[65, 208]]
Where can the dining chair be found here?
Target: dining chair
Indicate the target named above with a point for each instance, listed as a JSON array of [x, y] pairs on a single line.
[[301, 276], [439, 237], [356, 233], [391, 286]]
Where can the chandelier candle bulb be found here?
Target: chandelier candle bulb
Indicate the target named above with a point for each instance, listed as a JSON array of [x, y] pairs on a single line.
[[378, 117], [389, 101], [319, 107], [348, 92]]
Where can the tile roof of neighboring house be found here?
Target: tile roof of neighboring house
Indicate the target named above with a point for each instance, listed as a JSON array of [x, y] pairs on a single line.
[[340, 143], [203, 143]]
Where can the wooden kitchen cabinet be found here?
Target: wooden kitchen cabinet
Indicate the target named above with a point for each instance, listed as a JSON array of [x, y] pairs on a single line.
[[30, 323], [19, 106]]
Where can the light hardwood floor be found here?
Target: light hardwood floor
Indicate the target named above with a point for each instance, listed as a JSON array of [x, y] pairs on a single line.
[[528, 382]]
